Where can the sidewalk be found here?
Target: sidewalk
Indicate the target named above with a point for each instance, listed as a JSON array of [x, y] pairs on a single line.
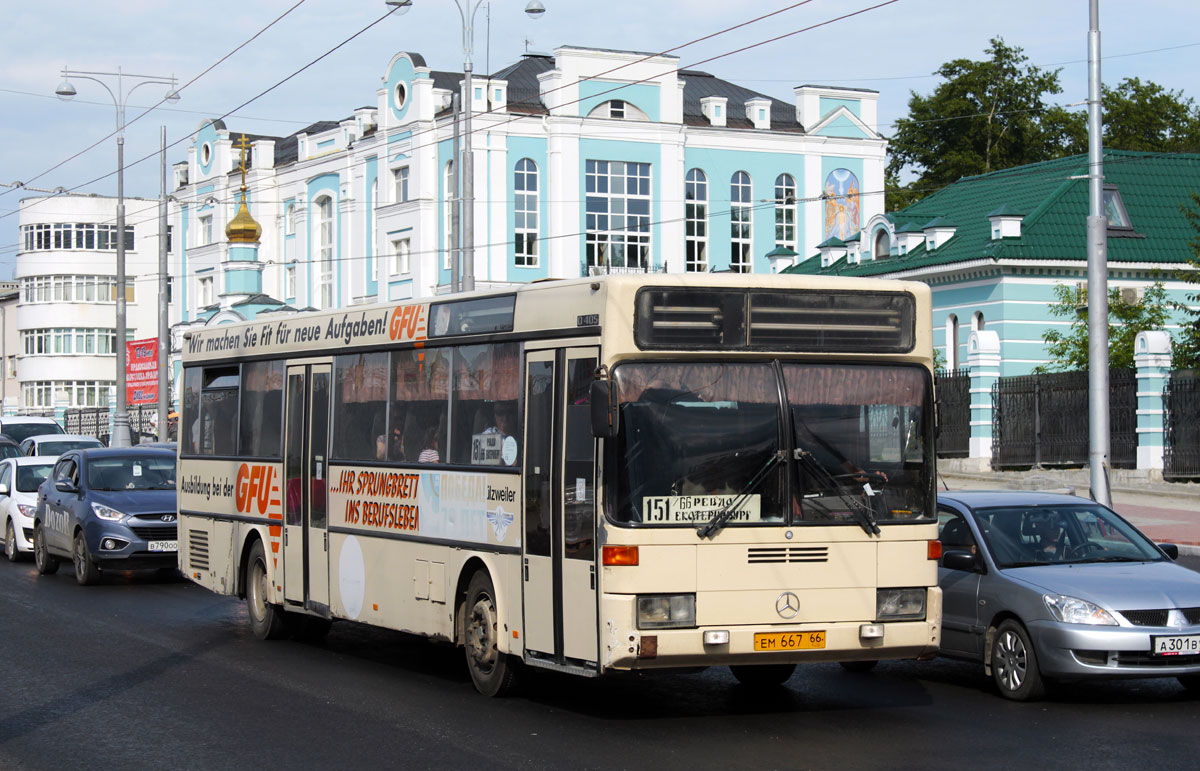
[[1167, 512]]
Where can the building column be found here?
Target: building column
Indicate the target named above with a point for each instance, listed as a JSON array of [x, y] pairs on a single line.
[[1152, 357], [983, 357]]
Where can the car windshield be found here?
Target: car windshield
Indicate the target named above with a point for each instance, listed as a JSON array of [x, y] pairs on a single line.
[[141, 473], [29, 478], [8, 450], [58, 448], [697, 438], [19, 432], [1019, 536]]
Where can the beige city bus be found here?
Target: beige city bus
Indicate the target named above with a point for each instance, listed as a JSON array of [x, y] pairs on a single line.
[[614, 473]]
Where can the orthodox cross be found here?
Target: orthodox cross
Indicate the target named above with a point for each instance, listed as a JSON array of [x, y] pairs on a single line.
[[243, 145]]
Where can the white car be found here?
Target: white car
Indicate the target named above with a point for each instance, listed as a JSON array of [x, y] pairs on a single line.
[[56, 444], [19, 482], [20, 427]]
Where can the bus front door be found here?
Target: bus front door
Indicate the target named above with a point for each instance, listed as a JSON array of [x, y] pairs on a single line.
[[559, 559], [305, 539]]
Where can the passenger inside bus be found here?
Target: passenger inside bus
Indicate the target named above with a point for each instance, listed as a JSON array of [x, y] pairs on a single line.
[[429, 443]]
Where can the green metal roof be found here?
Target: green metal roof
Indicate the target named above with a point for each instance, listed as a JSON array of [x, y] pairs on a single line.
[[1055, 195]]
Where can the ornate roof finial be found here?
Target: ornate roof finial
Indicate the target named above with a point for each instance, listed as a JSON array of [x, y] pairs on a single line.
[[242, 228]]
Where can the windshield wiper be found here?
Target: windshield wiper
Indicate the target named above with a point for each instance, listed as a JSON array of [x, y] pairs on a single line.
[[866, 517], [719, 519]]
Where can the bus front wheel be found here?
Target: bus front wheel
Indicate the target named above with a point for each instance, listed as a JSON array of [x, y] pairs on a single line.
[[493, 673], [266, 620]]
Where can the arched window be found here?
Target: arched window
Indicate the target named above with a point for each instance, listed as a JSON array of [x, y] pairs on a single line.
[[740, 222], [525, 213], [952, 342], [883, 245], [785, 211], [696, 222], [323, 232], [977, 321], [617, 109], [449, 207]]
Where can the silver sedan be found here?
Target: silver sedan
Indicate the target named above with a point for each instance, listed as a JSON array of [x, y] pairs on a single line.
[[1043, 587]]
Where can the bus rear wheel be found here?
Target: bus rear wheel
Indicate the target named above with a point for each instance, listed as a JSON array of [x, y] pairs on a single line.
[[266, 620], [762, 675], [493, 673]]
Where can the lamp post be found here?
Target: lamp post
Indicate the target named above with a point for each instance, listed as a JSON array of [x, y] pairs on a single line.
[[466, 167], [66, 91]]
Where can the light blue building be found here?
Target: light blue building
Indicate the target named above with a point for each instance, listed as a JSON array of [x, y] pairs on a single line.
[[585, 161]]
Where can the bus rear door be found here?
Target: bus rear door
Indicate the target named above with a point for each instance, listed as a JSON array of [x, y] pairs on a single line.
[[306, 472], [559, 559]]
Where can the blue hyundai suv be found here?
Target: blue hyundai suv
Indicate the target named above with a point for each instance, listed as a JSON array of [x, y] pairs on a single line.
[[107, 508]]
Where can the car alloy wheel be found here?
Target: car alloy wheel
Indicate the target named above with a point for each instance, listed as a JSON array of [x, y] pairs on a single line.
[[1014, 663]]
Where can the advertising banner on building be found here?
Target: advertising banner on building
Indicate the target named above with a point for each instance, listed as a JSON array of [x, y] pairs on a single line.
[[141, 371]]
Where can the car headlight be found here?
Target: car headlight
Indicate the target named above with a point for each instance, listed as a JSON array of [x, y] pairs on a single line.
[[1072, 610], [106, 512], [666, 611], [26, 509], [900, 604]]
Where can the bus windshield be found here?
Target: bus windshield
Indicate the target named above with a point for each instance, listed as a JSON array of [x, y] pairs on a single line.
[[698, 438]]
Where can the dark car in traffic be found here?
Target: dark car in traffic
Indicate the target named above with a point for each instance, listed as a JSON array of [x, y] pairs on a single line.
[[107, 508], [1043, 588]]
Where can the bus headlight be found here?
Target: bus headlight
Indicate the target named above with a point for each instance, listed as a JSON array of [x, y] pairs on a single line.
[[899, 604], [666, 611]]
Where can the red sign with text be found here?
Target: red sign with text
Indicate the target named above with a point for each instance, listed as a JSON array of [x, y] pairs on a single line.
[[141, 371]]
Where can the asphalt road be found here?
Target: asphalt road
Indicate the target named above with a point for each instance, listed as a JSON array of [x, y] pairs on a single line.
[[147, 671]]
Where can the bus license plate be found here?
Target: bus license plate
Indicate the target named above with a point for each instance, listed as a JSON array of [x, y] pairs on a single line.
[[163, 545], [1175, 645], [788, 641]]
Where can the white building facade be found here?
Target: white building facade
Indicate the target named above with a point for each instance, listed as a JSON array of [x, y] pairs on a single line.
[[66, 310]]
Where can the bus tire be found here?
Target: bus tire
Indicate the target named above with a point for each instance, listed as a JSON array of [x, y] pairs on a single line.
[[266, 620], [493, 673], [43, 560], [762, 675], [87, 573]]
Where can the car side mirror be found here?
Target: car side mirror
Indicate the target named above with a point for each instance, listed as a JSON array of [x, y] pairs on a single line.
[[958, 559], [605, 420], [65, 486], [1169, 549]]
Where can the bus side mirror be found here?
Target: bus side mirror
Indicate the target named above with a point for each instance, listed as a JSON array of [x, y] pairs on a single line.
[[604, 409]]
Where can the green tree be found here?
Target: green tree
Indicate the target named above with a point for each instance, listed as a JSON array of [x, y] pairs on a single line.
[[1069, 350], [986, 115], [992, 114], [1186, 352], [1150, 118]]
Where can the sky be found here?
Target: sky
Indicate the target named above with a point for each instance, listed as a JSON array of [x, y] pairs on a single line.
[[891, 47]]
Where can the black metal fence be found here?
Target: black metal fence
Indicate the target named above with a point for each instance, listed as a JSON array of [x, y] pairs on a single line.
[[1042, 420], [1181, 425], [953, 391], [97, 422]]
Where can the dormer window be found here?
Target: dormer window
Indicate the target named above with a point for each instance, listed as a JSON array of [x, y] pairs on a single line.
[[1114, 209]]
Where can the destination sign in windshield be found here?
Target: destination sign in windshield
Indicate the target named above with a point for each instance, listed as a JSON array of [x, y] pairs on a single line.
[[693, 509]]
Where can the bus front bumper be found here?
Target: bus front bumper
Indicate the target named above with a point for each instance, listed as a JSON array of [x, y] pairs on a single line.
[[631, 648]]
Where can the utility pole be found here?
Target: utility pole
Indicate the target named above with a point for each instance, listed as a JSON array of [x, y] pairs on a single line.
[[1097, 267], [164, 347]]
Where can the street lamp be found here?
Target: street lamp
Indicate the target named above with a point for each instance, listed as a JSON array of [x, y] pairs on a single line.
[[66, 91], [535, 10]]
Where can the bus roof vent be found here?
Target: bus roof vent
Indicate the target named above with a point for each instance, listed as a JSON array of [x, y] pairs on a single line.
[[812, 321], [833, 322]]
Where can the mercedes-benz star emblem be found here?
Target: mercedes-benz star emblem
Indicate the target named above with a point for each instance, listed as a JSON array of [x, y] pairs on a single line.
[[788, 605]]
